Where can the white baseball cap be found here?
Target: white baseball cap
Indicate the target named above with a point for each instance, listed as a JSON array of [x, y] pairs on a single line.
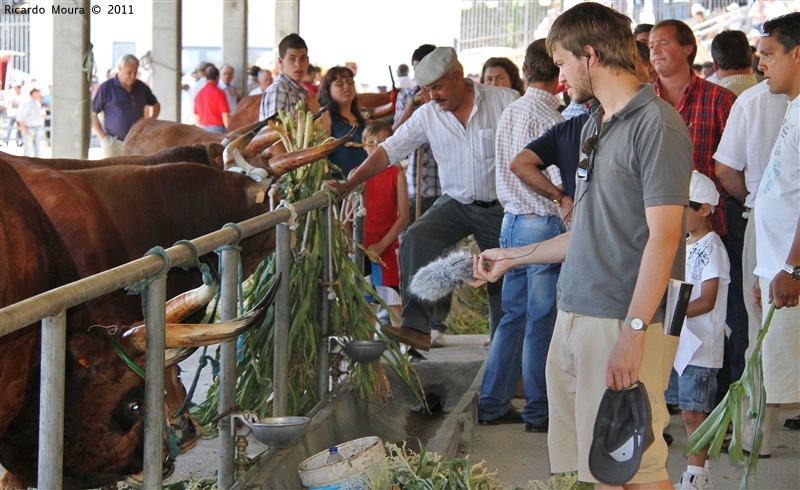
[[702, 190]]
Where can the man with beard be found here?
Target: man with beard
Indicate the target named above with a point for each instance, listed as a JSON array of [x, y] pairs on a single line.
[[634, 179]]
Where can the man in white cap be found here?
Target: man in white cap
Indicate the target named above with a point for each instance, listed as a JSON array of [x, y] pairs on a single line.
[[459, 124]]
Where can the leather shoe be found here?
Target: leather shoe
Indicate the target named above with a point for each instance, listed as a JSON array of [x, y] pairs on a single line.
[[510, 417], [727, 442], [792, 423], [416, 339], [536, 427]]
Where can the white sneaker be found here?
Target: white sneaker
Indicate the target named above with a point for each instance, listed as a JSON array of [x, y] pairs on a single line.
[[437, 339], [691, 481], [707, 475]]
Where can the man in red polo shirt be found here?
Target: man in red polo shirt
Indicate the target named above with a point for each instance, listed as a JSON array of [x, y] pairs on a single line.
[[211, 109]]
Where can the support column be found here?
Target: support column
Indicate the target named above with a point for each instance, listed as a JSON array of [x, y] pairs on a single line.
[[287, 20], [234, 41], [71, 96], [166, 58]]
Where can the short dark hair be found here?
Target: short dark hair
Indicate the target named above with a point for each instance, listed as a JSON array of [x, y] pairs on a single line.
[[422, 52], [644, 52], [539, 64], [730, 50], [509, 67], [607, 31], [402, 70], [254, 71], [683, 34], [292, 41], [642, 28], [211, 72], [785, 29]]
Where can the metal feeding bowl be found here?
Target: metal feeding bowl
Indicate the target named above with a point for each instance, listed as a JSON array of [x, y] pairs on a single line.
[[365, 350], [277, 432]]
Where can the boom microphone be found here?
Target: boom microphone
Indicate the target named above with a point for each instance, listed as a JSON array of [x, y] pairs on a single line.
[[442, 276]]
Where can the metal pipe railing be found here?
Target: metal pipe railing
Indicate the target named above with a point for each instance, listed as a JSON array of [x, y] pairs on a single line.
[[227, 377], [50, 307]]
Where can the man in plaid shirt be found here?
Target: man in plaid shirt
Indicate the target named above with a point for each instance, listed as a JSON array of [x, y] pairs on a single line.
[[285, 92]]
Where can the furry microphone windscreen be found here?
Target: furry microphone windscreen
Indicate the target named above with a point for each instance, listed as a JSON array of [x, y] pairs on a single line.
[[442, 276]]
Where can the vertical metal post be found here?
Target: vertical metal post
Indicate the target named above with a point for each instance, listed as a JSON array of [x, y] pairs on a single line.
[[227, 377], [155, 319], [358, 236], [280, 382], [51, 401], [323, 364]]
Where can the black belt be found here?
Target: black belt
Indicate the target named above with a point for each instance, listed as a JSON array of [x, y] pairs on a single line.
[[486, 204]]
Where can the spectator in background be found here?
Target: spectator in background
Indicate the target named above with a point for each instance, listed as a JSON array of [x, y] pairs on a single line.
[[311, 81], [732, 59], [11, 101], [644, 69], [709, 73], [285, 92], [264, 80], [199, 76], [502, 72], [30, 118], [252, 79], [642, 32], [403, 80], [338, 92], [211, 110], [122, 100], [225, 84]]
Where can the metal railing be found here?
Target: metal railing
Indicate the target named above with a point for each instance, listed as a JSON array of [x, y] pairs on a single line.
[[50, 307]]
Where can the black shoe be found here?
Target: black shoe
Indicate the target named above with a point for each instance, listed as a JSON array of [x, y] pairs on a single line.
[[792, 423], [673, 409], [668, 439], [727, 442], [536, 427], [510, 417]]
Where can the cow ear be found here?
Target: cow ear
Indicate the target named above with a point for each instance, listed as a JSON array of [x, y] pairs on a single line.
[[89, 354]]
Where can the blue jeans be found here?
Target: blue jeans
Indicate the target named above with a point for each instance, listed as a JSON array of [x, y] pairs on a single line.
[[523, 335]]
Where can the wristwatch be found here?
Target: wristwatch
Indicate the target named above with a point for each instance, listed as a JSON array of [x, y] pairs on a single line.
[[793, 270], [636, 323]]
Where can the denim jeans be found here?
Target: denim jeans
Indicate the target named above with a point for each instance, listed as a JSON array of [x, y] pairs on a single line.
[[33, 139], [523, 336]]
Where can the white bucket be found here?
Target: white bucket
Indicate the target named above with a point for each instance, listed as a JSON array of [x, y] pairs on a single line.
[[359, 456]]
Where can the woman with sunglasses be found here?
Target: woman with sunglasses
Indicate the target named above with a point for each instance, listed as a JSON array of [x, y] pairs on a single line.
[[338, 92], [502, 72]]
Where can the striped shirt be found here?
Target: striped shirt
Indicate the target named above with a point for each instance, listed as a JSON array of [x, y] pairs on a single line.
[[430, 173], [284, 94], [524, 120], [465, 155], [704, 108]]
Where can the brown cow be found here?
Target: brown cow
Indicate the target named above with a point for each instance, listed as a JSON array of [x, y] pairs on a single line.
[[103, 426], [204, 154]]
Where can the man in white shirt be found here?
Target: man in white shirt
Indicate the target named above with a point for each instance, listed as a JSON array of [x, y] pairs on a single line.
[[459, 123], [231, 93]]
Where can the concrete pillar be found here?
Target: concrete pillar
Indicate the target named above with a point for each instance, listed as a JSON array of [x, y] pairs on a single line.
[[70, 123], [166, 58], [287, 20], [234, 40]]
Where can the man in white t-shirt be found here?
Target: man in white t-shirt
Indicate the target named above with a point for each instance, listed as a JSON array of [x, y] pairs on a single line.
[[778, 230]]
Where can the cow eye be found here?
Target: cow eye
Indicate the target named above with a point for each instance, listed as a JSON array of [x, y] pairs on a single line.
[[134, 408], [179, 376]]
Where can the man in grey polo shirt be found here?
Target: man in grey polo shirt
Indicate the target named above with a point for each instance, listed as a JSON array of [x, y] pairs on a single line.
[[626, 232], [459, 124]]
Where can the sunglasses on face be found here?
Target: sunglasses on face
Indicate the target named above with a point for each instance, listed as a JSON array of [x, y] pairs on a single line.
[[584, 172]]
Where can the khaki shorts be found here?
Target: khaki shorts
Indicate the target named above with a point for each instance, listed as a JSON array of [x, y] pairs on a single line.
[[780, 352], [576, 379]]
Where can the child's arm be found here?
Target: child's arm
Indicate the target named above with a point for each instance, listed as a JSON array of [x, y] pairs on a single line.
[[707, 299], [402, 216]]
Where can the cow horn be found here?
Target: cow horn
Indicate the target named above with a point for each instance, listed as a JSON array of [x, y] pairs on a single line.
[[187, 335], [183, 305], [287, 162], [174, 356], [239, 143], [250, 128]]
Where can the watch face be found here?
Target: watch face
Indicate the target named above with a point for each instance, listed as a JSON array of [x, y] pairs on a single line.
[[637, 324]]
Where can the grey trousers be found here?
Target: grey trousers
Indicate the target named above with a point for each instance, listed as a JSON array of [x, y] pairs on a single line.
[[442, 226]]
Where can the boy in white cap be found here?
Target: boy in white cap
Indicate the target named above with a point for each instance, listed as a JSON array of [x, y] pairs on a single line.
[[702, 341]]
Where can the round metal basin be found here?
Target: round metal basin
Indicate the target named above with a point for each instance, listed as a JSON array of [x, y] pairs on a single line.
[[365, 350], [279, 432]]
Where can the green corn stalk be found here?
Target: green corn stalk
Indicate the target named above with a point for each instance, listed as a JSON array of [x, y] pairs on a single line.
[[351, 314], [712, 430]]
